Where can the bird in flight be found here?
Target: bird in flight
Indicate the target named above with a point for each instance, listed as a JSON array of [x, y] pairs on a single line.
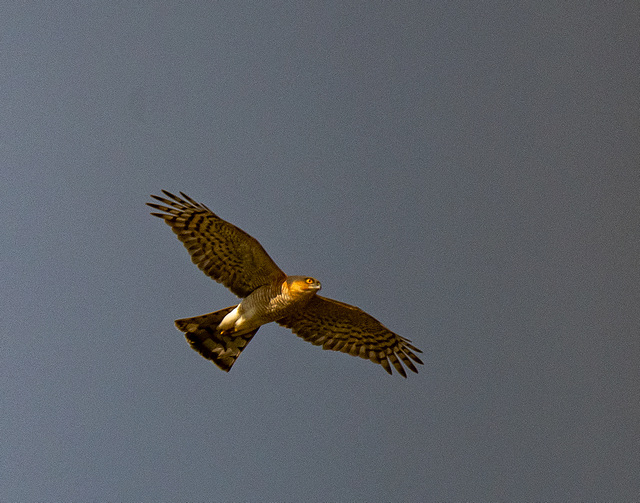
[[232, 257]]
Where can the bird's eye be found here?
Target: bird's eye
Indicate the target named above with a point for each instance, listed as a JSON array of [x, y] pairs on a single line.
[[309, 280]]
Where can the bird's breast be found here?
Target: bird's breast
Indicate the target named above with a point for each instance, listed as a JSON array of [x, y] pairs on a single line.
[[264, 305]]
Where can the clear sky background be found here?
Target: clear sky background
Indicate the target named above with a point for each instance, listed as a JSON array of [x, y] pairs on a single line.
[[467, 172]]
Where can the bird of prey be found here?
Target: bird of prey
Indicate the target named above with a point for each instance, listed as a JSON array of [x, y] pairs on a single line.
[[232, 257]]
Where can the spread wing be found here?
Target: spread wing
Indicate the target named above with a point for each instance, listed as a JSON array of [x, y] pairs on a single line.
[[221, 250], [341, 327]]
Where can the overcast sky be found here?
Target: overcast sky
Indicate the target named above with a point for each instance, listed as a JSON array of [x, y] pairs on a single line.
[[466, 172]]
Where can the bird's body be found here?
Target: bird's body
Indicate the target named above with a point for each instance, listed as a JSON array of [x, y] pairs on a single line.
[[269, 303], [232, 257]]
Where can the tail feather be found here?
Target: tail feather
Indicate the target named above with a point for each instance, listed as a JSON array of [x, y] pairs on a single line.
[[202, 334]]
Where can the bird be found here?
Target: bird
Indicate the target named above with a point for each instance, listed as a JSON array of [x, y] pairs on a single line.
[[238, 261]]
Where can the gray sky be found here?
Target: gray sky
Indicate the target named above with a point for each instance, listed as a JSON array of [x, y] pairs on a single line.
[[468, 173]]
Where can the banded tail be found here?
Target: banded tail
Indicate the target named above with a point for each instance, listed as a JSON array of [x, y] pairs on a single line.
[[202, 334]]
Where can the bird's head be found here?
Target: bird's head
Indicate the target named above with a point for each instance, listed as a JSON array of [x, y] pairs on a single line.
[[302, 285]]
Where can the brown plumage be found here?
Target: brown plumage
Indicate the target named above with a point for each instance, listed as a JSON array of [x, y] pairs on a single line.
[[232, 257]]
